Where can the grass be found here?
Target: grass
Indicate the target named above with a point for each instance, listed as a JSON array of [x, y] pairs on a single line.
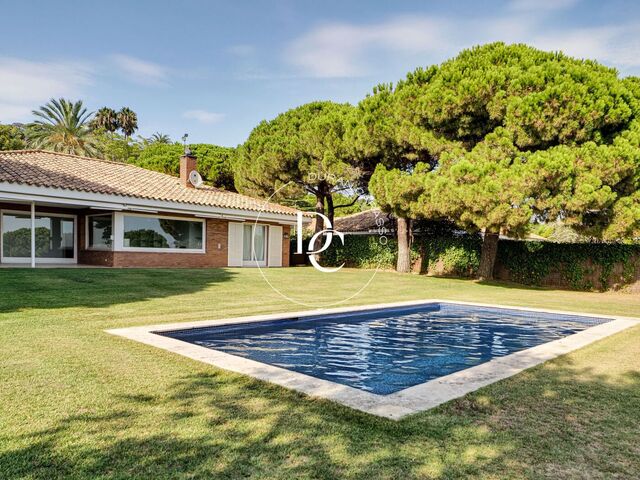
[[76, 402]]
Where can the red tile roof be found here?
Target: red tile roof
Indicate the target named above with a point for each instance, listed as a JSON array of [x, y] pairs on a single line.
[[71, 172]]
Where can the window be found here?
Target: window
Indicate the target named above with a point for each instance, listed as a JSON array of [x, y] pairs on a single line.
[[254, 244], [148, 232], [55, 236], [100, 232]]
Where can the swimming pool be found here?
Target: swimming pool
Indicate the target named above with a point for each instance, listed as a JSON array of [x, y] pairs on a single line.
[[390, 360], [387, 350]]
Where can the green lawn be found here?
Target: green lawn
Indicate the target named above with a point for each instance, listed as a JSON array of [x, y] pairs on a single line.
[[76, 402]]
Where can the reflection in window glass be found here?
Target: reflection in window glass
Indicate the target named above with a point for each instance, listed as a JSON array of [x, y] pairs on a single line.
[[152, 232], [246, 243], [54, 236], [254, 236], [100, 232], [259, 242]]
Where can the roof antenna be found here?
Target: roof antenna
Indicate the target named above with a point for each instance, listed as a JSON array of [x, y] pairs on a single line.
[[187, 150]]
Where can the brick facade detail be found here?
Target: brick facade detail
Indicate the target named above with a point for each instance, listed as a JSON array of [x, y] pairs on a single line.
[[216, 249]]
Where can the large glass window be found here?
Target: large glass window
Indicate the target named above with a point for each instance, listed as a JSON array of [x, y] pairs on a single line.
[[100, 232], [164, 233], [54, 236]]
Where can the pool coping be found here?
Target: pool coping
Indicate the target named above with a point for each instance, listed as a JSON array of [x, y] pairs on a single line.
[[394, 406]]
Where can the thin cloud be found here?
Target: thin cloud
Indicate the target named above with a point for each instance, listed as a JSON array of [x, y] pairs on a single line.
[[204, 116], [141, 71], [26, 84], [582, 43], [614, 45], [350, 50], [337, 49], [541, 5], [10, 113]]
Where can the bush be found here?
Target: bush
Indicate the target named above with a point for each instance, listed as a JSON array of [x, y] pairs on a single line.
[[452, 255], [582, 266], [455, 255], [361, 251]]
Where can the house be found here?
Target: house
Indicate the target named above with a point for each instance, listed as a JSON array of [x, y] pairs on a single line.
[[58, 208], [368, 222], [376, 222]]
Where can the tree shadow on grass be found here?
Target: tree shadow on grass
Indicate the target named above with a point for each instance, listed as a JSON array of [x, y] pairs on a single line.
[[517, 286], [500, 283], [556, 421], [60, 288]]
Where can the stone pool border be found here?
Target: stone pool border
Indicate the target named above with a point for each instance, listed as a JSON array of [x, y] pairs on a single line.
[[397, 405]]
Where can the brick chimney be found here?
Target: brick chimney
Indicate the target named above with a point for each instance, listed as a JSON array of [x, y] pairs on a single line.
[[188, 163]]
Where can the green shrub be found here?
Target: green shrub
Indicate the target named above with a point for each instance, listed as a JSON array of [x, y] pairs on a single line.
[[361, 251], [439, 255], [452, 255], [530, 262]]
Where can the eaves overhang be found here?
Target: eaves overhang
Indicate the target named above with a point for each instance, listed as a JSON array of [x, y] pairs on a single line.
[[74, 198]]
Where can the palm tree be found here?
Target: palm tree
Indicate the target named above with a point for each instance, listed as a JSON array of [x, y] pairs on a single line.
[[128, 121], [62, 126], [159, 138], [106, 118]]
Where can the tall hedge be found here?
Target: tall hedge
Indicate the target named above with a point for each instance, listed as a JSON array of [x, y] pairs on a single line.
[[580, 266], [453, 255], [361, 251]]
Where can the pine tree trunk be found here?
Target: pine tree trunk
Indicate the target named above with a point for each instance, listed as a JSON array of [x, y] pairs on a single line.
[[319, 223], [330, 210], [404, 245], [488, 255], [319, 209]]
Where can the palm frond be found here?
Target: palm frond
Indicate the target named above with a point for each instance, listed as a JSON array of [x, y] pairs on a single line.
[[62, 126]]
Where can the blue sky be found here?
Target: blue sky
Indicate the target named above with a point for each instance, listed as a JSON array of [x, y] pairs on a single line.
[[215, 69]]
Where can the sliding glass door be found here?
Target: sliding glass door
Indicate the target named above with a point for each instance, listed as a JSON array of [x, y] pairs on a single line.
[[55, 238], [254, 250]]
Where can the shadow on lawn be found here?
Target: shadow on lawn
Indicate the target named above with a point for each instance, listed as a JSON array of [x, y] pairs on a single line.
[[59, 288], [552, 422], [518, 286]]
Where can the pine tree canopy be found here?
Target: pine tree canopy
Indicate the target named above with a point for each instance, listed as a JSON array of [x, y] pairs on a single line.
[[304, 147], [533, 133]]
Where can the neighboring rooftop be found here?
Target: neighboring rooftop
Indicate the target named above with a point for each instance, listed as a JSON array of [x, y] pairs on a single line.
[[71, 172], [365, 222]]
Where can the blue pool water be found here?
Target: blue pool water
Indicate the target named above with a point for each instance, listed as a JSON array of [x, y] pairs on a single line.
[[384, 351]]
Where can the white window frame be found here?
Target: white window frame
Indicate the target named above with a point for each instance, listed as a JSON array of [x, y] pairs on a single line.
[[41, 260], [118, 234], [86, 233]]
